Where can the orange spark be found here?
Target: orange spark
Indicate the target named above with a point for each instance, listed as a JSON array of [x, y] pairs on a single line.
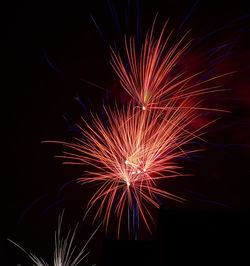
[[149, 77], [130, 155], [139, 146]]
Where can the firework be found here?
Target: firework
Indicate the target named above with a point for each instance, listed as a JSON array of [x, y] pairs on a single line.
[[64, 253], [130, 155], [150, 77], [141, 142]]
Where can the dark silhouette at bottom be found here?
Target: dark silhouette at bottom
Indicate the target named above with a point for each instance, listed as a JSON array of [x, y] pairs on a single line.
[[187, 237]]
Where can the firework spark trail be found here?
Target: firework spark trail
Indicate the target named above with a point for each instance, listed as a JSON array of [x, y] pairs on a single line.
[[149, 70], [130, 155], [151, 81], [141, 142], [65, 253]]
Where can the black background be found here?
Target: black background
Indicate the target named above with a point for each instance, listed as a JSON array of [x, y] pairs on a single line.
[[49, 51]]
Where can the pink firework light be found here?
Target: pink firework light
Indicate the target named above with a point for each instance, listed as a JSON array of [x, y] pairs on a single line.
[[141, 142], [130, 155], [151, 81]]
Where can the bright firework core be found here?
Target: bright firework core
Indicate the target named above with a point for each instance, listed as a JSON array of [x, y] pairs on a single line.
[[134, 172]]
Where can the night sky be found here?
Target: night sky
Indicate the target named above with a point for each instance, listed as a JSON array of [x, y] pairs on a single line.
[[58, 69]]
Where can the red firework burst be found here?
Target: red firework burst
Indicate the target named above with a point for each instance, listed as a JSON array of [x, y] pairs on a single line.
[[130, 155], [139, 145], [148, 75]]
